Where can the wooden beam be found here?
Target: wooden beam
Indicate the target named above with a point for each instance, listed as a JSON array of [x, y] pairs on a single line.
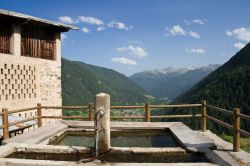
[[246, 117], [175, 106], [91, 112], [219, 122], [65, 107], [126, 107], [220, 109], [5, 123], [127, 117], [176, 116], [147, 108], [65, 117], [204, 113], [236, 129], [39, 114], [21, 110]]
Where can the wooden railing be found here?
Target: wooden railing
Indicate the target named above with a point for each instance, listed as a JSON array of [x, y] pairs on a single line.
[[147, 107]]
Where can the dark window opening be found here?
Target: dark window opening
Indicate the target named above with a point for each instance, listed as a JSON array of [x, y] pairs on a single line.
[[38, 42], [5, 36]]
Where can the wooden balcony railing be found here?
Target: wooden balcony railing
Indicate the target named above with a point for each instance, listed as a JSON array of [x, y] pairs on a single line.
[[147, 107]]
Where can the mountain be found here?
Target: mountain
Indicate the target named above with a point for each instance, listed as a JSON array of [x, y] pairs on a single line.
[[81, 82], [227, 87], [170, 82]]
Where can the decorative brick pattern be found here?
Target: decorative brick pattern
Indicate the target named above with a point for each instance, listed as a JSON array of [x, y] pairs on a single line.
[[17, 81]]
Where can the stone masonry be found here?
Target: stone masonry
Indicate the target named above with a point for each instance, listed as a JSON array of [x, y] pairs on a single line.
[[26, 81]]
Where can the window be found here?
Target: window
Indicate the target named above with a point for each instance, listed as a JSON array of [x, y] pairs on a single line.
[[5, 35], [38, 42]]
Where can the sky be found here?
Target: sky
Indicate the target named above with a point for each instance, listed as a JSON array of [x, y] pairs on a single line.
[[131, 36]]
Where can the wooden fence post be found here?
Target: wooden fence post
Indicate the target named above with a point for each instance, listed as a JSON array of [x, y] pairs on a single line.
[[91, 112], [204, 114], [147, 107], [39, 114], [5, 123], [236, 130]]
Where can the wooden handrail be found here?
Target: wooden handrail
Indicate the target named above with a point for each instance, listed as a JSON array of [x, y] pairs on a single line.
[[65, 107], [176, 116], [175, 106], [220, 122], [220, 109], [246, 117], [65, 117], [126, 107], [245, 133], [21, 110], [127, 117]]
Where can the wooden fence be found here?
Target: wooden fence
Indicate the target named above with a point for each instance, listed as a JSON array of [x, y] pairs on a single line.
[[147, 107]]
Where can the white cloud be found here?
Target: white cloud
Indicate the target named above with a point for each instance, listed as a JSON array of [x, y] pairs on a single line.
[[119, 25], [99, 29], [124, 61], [198, 21], [239, 45], [133, 50], [177, 30], [90, 20], [85, 30], [195, 21], [194, 34], [66, 19], [242, 34], [195, 50]]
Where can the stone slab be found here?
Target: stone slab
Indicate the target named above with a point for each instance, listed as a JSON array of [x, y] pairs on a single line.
[[190, 139], [225, 150], [38, 135]]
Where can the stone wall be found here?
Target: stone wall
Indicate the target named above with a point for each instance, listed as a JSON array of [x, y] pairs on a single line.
[[26, 81]]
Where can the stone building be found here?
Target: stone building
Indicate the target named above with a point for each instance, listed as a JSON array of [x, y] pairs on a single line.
[[30, 63]]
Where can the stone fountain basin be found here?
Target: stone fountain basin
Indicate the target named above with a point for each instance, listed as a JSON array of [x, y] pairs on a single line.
[[186, 138], [32, 146]]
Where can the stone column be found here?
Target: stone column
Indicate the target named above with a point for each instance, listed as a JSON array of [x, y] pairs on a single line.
[[15, 46], [102, 102], [58, 47]]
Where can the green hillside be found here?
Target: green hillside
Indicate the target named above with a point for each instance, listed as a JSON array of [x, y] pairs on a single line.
[[81, 82], [227, 87]]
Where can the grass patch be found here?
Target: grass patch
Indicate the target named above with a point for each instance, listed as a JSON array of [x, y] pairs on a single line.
[[244, 142]]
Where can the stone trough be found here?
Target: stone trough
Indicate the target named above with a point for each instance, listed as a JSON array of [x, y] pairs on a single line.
[[34, 145]]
